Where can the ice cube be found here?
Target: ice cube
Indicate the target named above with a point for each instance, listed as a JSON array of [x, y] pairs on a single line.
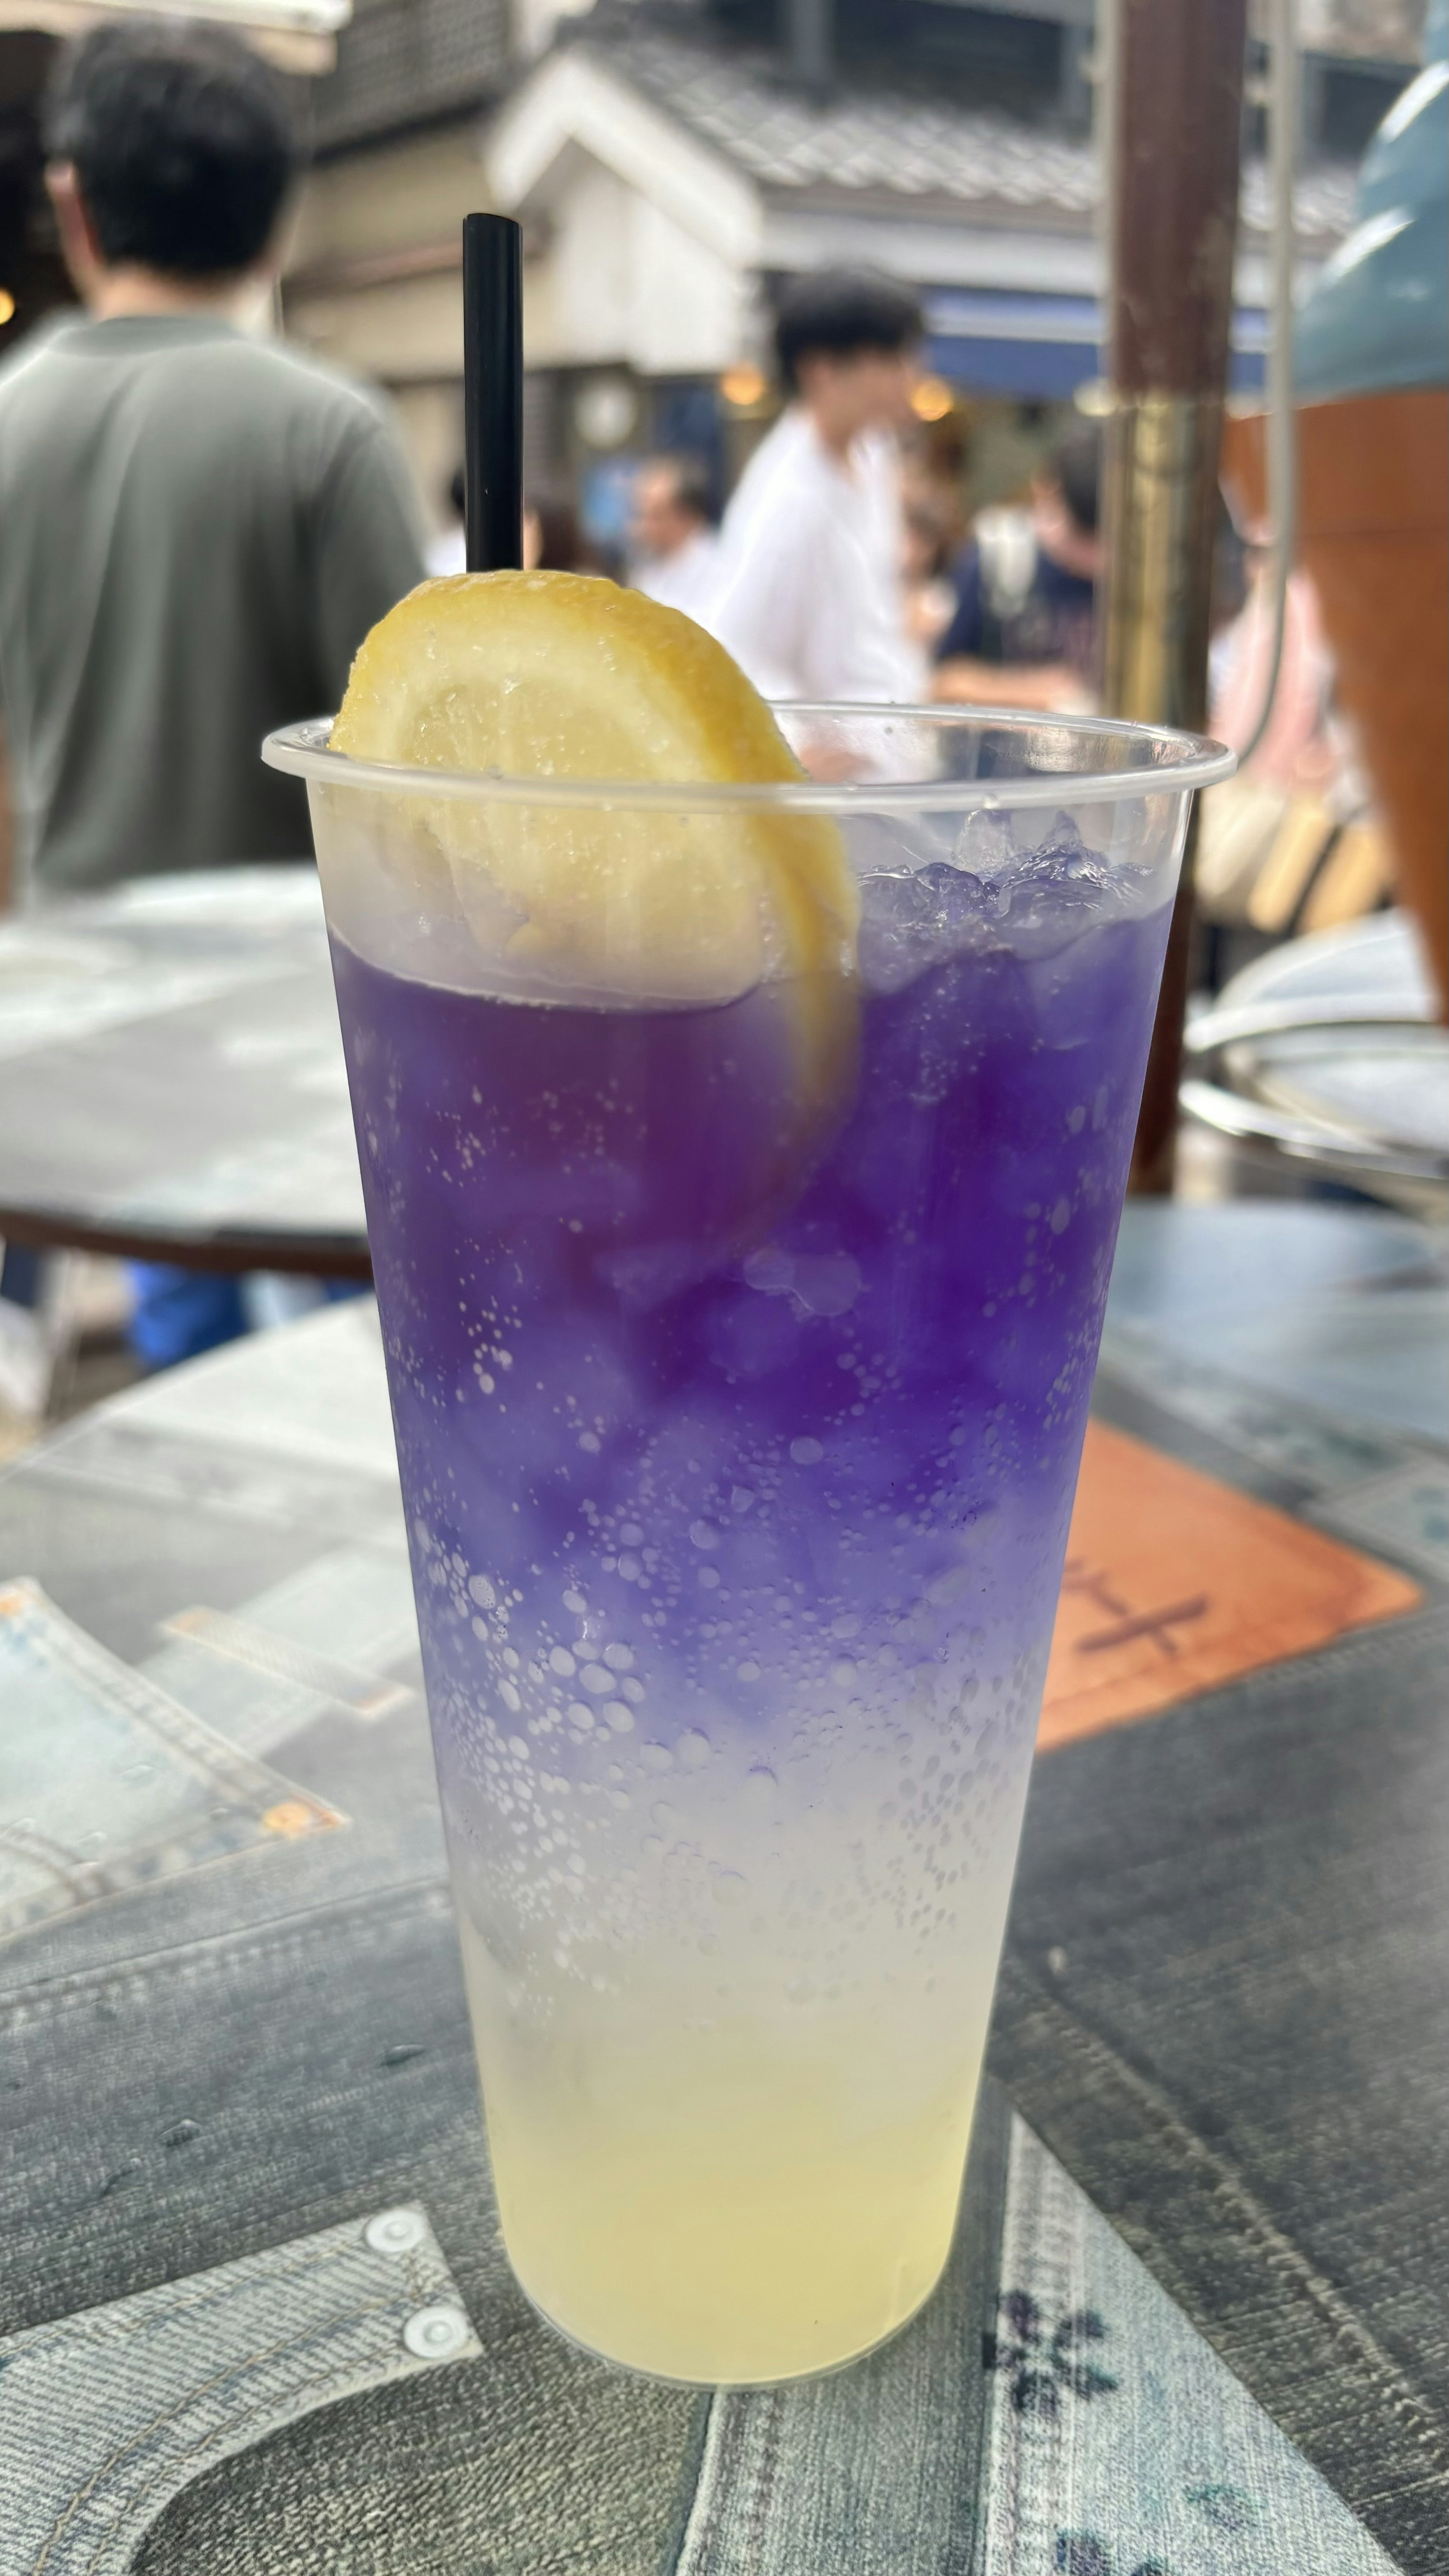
[[897, 923], [958, 895], [896, 899], [987, 844]]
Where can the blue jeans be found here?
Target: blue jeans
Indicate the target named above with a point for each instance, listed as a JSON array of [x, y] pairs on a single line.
[[179, 1314]]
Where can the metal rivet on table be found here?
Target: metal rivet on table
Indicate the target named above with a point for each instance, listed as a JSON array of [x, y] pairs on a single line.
[[394, 2231], [435, 2333]]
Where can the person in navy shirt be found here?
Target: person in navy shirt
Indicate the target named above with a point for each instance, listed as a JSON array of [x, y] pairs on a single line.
[[1024, 629]]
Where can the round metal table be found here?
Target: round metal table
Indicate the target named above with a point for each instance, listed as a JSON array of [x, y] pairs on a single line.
[[1327, 1054], [171, 1078]]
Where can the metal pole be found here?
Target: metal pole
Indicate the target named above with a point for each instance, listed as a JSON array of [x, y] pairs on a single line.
[[1176, 123]]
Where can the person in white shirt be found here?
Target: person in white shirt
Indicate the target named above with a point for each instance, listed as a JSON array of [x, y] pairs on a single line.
[[809, 595], [672, 540]]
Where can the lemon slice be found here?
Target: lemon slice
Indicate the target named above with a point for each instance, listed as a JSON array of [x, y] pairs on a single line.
[[551, 675]]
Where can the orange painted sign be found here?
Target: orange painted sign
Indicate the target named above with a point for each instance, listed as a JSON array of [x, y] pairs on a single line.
[[1175, 1582]]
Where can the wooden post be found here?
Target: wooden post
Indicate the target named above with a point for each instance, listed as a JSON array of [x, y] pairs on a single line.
[[1176, 120]]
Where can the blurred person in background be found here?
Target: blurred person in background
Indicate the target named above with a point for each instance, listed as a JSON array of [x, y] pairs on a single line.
[[552, 538], [199, 527], [1297, 750], [929, 593], [672, 538], [1024, 629], [448, 551], [808, 597]]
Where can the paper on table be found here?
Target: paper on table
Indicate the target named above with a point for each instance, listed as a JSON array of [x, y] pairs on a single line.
[[107, 1784], [1175, 1582]]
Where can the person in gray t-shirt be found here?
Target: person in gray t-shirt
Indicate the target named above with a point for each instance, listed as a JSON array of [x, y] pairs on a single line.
[[197, 527]]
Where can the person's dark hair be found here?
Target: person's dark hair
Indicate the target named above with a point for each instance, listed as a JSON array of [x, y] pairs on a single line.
[[689, 476], [839, 312], [562, 544], [181, 143], [1076, 465]]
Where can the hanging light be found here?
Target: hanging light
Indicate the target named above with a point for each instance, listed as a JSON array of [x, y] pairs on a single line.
[[742, 387], [932, 398]]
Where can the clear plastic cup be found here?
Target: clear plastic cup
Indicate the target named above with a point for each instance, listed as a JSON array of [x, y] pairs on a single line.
[[740, 1345]]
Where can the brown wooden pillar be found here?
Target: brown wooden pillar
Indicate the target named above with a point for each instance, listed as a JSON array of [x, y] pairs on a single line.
[[1176, 120]]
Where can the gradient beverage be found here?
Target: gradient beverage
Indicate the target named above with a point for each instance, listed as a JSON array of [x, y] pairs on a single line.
[[740, 1358]]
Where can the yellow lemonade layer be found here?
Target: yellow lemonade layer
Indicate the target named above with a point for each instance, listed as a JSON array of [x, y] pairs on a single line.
[[719, 2202]]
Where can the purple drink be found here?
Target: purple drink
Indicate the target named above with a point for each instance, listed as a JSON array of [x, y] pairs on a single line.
[[739, 1416]]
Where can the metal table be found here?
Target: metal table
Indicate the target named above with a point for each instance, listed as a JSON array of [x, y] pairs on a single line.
[[171, 1077], [249, 2267], [1327, 1056]]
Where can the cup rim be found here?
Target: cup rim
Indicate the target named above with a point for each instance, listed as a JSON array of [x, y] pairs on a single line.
[[1179, 762]]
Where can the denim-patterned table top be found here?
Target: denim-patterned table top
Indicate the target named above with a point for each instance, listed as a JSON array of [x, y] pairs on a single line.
[[1198, 2318], [171, 1069]]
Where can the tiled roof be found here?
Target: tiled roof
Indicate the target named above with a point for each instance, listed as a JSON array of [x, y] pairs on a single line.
[[886, 146], [400, 62]]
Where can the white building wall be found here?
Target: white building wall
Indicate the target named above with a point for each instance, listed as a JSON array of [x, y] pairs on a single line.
[[620, 283], [688, 305]]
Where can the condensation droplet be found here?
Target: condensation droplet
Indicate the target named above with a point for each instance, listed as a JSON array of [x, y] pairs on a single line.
[[616, 1715], [806, 1453], [561, 1661], [656, 1757], [702, 1535], [579, 1714], [481, 1590], [693, 1749], [748, 1671], [729, 1887]]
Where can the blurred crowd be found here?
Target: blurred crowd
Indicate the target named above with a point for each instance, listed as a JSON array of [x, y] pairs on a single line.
[[200, 523]]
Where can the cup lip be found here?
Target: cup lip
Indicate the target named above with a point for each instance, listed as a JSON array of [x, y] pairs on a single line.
[[1181, 762]]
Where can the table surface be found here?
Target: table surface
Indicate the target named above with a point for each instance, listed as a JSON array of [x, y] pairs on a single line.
[[1222, 2007], [171, 1076]]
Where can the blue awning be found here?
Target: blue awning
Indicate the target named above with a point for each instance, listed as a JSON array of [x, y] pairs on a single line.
[[1040, 348]]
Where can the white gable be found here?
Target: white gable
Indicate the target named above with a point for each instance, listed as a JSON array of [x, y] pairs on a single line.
[[649, 239]]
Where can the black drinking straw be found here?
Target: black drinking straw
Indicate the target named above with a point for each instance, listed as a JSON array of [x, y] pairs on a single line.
[[493, 393]]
